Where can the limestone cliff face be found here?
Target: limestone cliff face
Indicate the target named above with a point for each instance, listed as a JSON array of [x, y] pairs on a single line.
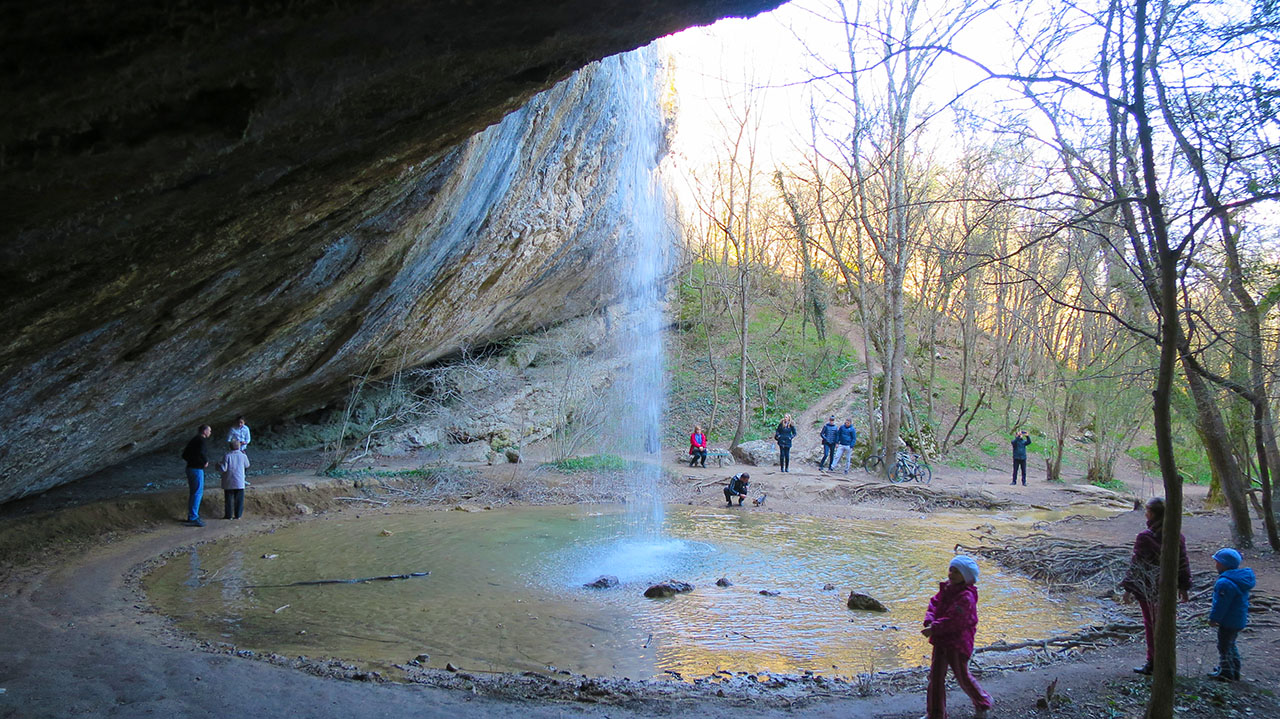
[[514, 229], [232, 207]]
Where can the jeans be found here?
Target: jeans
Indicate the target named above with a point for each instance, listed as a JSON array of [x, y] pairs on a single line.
[[195, 489], [1228, 655], [828, 456], [232, 499], [844, 455], [729, 495], [784, 457], [1019, 463], [697, 454]]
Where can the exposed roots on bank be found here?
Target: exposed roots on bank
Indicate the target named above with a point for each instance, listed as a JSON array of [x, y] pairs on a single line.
[[1058, 562]]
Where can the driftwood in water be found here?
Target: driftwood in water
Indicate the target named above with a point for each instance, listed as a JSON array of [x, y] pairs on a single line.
[[386, 578]]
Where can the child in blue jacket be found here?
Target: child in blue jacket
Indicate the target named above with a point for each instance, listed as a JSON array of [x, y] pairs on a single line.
[[1230, 612]]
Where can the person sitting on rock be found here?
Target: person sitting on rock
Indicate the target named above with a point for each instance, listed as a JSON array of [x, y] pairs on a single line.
[[737, 488], [697, 447]]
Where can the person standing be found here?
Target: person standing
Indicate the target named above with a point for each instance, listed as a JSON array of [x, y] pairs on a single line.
[[697, 447], [1230, 610], [233, 466], [1141, 580], [950, 623], [196, 454], [1020, 442], [783, 435], [830, 431], [846, 437], [240, 433]]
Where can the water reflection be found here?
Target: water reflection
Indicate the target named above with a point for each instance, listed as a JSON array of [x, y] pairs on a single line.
[[505, 591]]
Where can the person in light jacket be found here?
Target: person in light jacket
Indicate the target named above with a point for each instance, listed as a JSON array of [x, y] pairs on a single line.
[[233, 465]]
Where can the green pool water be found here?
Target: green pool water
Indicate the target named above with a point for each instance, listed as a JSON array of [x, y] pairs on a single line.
[[505, 594]]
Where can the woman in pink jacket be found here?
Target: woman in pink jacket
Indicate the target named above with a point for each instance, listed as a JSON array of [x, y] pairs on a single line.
[[950, 623]]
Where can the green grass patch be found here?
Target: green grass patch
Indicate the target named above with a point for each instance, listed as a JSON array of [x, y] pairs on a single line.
[[1113, 484], [593, 463]]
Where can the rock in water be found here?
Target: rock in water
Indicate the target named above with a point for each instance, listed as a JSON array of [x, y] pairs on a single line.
[[769, 593], [866, 603], [723, 582], [828, 587], [669, 588], [603, 582]]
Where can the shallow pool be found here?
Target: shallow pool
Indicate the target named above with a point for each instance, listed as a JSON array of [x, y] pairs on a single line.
[[505, 591]]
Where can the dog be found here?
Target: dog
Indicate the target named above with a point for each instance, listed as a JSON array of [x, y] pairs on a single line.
[[759, 501]]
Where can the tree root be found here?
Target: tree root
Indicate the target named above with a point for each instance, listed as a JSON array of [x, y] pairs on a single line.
[[1056, 561]]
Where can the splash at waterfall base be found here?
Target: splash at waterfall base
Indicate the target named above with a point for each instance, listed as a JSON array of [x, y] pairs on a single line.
[[83, 639]]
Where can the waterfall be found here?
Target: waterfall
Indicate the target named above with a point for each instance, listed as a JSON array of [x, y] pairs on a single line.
[[643, 270]]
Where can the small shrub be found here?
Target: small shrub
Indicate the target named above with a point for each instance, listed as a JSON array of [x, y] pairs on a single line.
[[592, 463]]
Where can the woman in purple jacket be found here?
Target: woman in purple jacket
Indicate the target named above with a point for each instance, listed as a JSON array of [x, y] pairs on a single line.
[[950, 623], [1142, 578]]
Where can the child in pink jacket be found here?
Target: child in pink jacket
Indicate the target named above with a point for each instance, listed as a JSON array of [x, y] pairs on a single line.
[[950, 623]]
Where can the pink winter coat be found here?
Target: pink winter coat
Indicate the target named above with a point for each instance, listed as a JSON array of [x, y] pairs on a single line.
[[953, 615]]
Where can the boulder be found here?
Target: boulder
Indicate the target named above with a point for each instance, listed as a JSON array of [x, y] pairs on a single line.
[[723, 582], [669, 588], [512, 455], [865, 603], [606, 581], [828, 587], [758, 453], [469, 452], [769, 593]]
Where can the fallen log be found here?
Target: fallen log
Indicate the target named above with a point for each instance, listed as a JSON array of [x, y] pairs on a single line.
[[362, 580]]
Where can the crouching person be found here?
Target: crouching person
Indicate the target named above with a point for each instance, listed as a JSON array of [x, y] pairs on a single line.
[[737, 487], [233, 465]]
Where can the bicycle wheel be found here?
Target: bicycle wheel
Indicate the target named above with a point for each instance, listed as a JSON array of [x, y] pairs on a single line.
[[873, 463], [924, 475], [898, 474]]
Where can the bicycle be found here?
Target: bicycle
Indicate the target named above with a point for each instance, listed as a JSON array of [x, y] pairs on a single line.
[[910, 467], [873, 464]]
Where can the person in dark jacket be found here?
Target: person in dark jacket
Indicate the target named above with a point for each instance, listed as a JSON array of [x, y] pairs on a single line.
[[738, 485], [196, 455], [697, 447], [783, 435], [1230, 611], [1141, 580], [828, 433], [1020, 442], [846, 437]]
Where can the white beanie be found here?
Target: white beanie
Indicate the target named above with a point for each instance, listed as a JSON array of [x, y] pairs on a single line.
[[967, 567]]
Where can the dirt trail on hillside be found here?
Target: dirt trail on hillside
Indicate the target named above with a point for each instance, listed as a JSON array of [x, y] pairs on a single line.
[[837, 402]]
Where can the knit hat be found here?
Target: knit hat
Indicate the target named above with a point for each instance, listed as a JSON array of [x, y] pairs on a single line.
[[1227, 557], [967, 568]]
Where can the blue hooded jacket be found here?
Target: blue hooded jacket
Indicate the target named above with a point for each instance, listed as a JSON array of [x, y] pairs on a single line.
[[1231, 598]]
